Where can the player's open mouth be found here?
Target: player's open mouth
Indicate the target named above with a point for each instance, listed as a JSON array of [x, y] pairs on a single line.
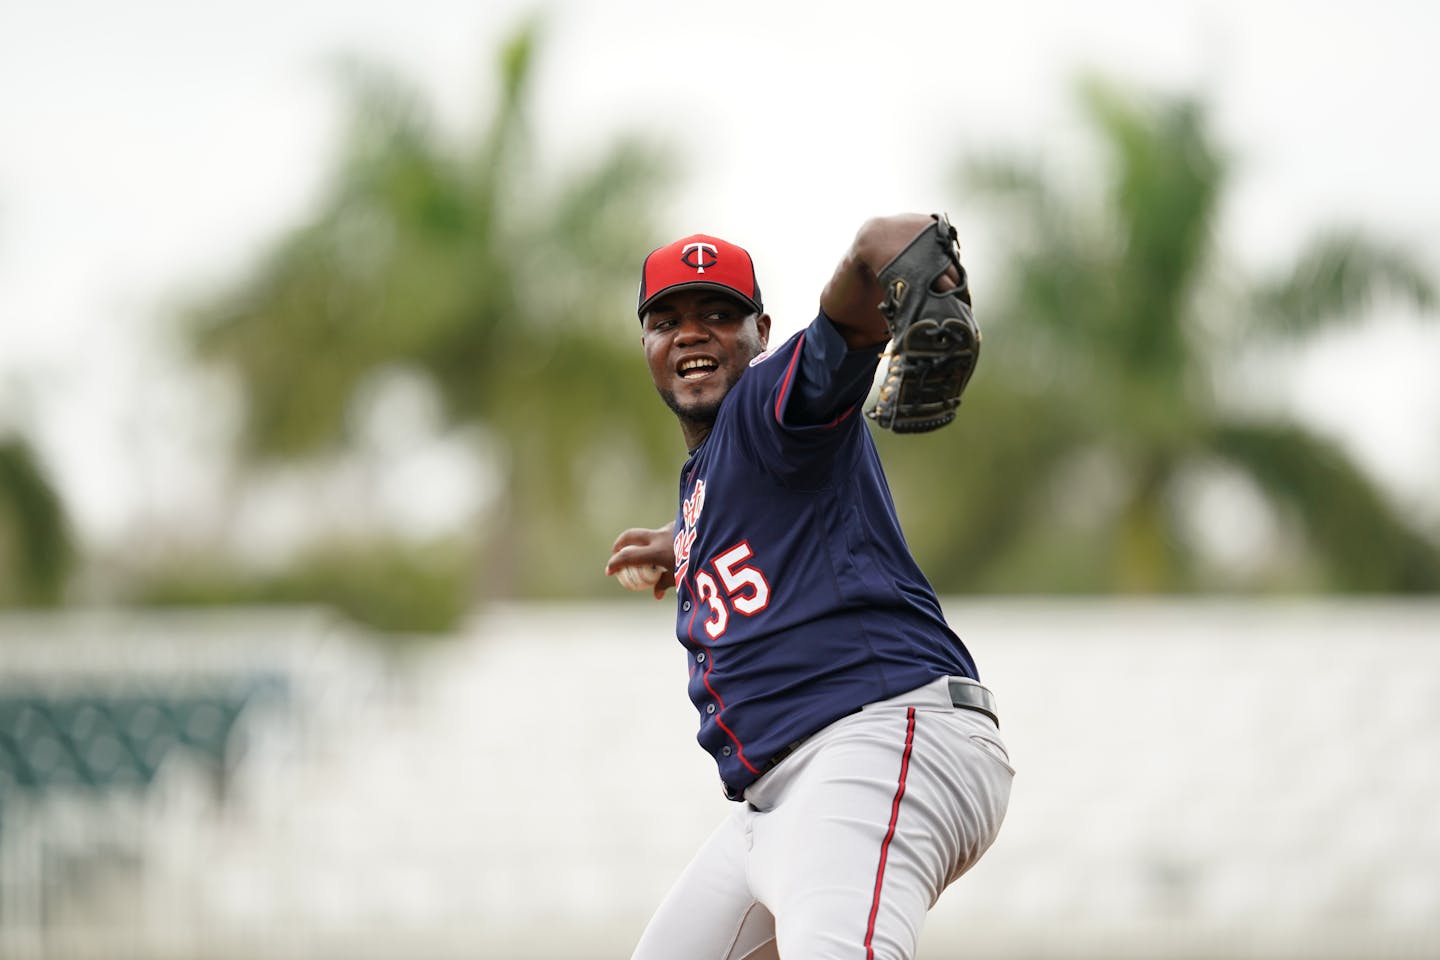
[[697, 367]]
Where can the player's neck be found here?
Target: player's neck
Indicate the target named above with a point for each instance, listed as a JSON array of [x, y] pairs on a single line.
[[695, 432], [696, 421]]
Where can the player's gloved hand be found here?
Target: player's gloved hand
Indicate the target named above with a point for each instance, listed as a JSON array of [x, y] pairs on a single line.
[[935, 342], [643, 547]]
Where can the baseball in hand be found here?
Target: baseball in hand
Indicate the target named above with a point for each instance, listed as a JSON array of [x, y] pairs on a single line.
[[639, 578]]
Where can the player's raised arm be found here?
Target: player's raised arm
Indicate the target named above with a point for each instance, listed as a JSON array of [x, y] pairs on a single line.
[[902, 281], [852, 297]]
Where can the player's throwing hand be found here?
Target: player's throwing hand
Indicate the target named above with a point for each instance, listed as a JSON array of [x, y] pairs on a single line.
[[642, 559]]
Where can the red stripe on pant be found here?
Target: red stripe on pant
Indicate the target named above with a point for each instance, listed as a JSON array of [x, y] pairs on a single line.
[[890, 833]]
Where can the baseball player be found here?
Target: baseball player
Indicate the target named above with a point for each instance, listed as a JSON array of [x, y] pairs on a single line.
[[844, 715]]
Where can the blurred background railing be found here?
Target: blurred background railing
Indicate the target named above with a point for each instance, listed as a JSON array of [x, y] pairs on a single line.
[[1196, 779]]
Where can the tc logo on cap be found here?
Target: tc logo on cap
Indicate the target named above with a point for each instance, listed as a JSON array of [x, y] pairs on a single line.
[[699, 261], [699, 256]]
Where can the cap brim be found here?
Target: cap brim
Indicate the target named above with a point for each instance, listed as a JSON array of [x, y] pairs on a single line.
[[698, 285]]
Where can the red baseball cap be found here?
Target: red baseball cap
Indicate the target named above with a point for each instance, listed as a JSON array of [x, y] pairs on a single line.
[[699, 261]]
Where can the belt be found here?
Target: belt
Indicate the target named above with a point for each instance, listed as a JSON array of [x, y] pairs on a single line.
[[971, 696], [964, 695]]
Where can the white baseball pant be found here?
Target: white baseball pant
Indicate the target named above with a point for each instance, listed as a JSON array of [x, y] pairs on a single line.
[[839, 852]]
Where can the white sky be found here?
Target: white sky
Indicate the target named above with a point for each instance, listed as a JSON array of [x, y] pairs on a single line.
[[148, 148]]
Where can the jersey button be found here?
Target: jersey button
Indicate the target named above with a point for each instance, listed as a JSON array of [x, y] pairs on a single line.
[[725, 750], [709, 708], [700, 657]]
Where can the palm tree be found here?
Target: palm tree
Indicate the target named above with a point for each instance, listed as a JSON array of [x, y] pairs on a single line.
[[1106, 391], [502, 287], [36, 550]]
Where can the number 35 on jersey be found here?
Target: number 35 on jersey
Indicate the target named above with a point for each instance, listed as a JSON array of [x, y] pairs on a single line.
[[742, 588]]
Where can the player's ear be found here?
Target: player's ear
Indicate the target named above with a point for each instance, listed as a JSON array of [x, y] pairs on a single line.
[[762, 327]]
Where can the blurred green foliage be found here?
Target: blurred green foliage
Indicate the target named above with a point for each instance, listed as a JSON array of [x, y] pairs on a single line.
[[37, 553], [395, 586], [1106, 396], [1102, 404], [504, 279]]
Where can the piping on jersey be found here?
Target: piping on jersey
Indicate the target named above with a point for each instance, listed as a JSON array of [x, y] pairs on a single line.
[[705, 679]]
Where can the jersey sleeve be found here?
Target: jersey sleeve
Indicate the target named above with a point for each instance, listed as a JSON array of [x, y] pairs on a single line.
[[830, 379], [798, 407]]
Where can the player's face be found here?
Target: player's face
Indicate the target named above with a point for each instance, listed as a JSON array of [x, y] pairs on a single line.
[[698, 343]]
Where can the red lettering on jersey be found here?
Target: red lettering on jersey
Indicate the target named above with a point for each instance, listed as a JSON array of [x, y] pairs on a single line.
[[685, 539], [693, 505]]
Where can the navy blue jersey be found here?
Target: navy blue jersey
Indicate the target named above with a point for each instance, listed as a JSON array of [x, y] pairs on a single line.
[[798, 599]]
